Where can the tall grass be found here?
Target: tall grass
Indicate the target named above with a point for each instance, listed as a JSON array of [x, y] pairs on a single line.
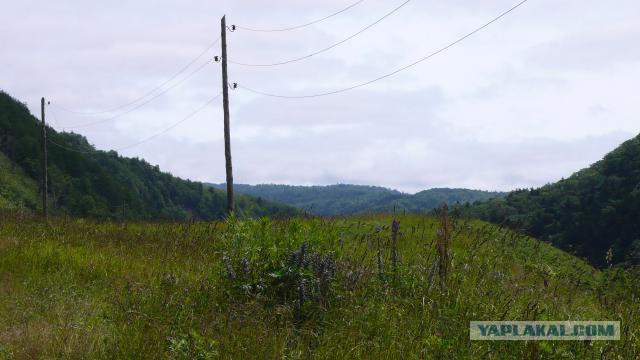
[[296, 288]]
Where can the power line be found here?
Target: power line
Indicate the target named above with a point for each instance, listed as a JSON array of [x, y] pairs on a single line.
[[174, 76], [164, 131], [301, 25], [189, 76], [55, 117], [459, 40], [70, 149], [329, 47]]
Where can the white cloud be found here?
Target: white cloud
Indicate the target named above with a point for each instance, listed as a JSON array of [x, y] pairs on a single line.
[[540, 94]]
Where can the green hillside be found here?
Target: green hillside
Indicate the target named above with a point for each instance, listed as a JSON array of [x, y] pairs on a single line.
[[17, 190], [595, 213], [344, 199], [93, 183], [295, 289]]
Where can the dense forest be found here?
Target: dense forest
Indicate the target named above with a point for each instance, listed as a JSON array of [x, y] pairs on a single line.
[[93, 183], [595, 213], [344, 199]]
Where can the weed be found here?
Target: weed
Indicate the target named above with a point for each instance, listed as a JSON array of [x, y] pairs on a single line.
[[296, 288]]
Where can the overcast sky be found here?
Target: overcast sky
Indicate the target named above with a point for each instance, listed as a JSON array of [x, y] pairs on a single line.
[[542, 93]]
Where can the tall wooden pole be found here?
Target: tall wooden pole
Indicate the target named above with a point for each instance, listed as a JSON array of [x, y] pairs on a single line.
[[45, 207], [225, 105]]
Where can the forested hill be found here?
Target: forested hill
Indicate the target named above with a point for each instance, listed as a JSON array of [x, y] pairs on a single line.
[[595, 213], [352, 199], [98, 183]]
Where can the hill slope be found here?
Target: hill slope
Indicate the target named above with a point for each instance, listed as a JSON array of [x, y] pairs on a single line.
[[344, 199], [97, 183], [595, 213], [17, 190]]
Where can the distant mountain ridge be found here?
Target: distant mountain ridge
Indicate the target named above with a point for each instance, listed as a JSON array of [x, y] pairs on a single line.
[[345, 199], [101, 184]]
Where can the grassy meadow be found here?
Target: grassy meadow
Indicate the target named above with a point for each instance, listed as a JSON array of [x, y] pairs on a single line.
[[294, 289]]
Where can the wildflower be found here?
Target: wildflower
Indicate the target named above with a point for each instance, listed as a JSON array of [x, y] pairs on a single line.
[[229, 268], [245, 266], [302, 293]]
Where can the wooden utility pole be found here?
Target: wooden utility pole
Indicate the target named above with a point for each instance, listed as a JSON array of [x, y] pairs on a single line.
[[225, 105], [45, 208]]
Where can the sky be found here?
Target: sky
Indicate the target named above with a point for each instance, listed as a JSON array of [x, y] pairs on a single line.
[[545, 91]]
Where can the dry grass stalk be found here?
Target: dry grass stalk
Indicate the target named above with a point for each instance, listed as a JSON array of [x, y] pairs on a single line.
[[395, 227], [380, 274], [444, 237]]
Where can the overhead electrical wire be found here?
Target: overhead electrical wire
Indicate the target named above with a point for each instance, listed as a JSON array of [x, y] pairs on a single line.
[[327, 48], [69, 149], [301, 25], [166, 130], [459, 40], [149, 138], [91, 123], [150, 92]]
